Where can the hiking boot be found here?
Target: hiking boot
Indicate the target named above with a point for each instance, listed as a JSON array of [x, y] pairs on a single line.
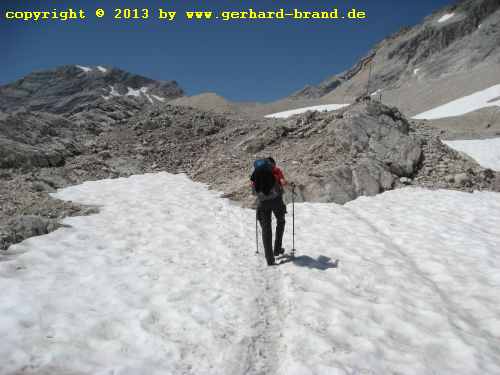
[[279, 252]]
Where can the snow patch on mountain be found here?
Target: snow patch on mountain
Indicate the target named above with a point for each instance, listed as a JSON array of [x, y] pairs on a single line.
[[159, 98], [486, 98], [320, 108], [102, 69], [112, 93], [485, 151], [446, 17], [86, 69], [136, 92]]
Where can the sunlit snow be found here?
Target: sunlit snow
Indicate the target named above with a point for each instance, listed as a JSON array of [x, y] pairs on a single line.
[[159, 98], [103, 70], [134, 92], [139, 92], [321, 108], [485, 151], [84, 68], [486, 98], [165, 280], [446, 17], [112, 93]]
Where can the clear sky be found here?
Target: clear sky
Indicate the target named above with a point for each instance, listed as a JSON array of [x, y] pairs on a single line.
[[258, 60]]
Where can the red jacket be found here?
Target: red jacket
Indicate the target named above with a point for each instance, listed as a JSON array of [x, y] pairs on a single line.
[[278, 175]]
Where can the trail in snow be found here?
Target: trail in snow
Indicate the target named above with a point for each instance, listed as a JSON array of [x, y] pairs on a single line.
[[161, 281], [164, 280]]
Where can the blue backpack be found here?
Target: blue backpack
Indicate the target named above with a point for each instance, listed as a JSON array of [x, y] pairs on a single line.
[[262, 176]]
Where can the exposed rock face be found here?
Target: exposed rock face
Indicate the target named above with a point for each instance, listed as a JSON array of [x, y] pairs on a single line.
[[37, 140], [467, 36], [364, 149], [68, 89]]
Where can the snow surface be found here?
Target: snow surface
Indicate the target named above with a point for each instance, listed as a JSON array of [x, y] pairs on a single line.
[[322, 108], [136, 93], [84, 68], [481, 99], [139, 92], [159, 98], [102, 69], [485, 151], [446, 17], [164, 280], [376, 92], [112, 93]]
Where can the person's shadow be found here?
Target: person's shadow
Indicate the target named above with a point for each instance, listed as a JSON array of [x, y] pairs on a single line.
[[321, 263]]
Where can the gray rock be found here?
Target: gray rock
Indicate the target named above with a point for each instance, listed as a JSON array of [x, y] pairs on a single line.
[[371, 177], [450, 178], [338, 187], [462, 179], [23, 227]]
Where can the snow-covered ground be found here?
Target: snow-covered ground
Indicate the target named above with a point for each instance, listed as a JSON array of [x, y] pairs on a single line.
[[446, 17], [86, 69], [321, 108], [485, 151], [164, 280], [489, 97]]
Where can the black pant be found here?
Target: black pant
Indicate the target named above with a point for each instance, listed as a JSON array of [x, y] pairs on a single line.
[[276, 206]]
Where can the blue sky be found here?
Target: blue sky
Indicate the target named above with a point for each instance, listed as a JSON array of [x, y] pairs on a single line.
[[248, 60]]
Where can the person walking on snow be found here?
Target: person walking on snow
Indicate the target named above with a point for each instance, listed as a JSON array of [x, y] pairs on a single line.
[[268, 182]]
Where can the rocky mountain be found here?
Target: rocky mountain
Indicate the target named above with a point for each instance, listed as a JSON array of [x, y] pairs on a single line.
[[453, 52], [45, 116], [66, 89], [76, 123], [87, 96]]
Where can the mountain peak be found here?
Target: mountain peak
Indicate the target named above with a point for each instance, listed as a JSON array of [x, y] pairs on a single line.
[[61, 89]]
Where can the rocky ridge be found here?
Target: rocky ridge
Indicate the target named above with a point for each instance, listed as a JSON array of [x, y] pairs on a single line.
[[457, 40], [363, 149]]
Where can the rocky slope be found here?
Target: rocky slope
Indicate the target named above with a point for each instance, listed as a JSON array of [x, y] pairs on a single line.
[[452, 53], [67, 89], [457, 39], [363, 149]]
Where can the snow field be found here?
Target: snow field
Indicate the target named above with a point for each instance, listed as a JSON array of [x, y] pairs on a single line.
[[164, 280], [446, 17], [489, 97], [485, 151], [157, 283], [321, 108]]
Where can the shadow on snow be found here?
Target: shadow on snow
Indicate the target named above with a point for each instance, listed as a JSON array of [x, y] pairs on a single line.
[[321, 263]]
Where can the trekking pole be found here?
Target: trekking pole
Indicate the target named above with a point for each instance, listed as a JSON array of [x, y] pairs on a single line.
[[256, 234], [293, 221]]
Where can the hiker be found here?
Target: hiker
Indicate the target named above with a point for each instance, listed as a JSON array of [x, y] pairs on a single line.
[[268, 182]]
